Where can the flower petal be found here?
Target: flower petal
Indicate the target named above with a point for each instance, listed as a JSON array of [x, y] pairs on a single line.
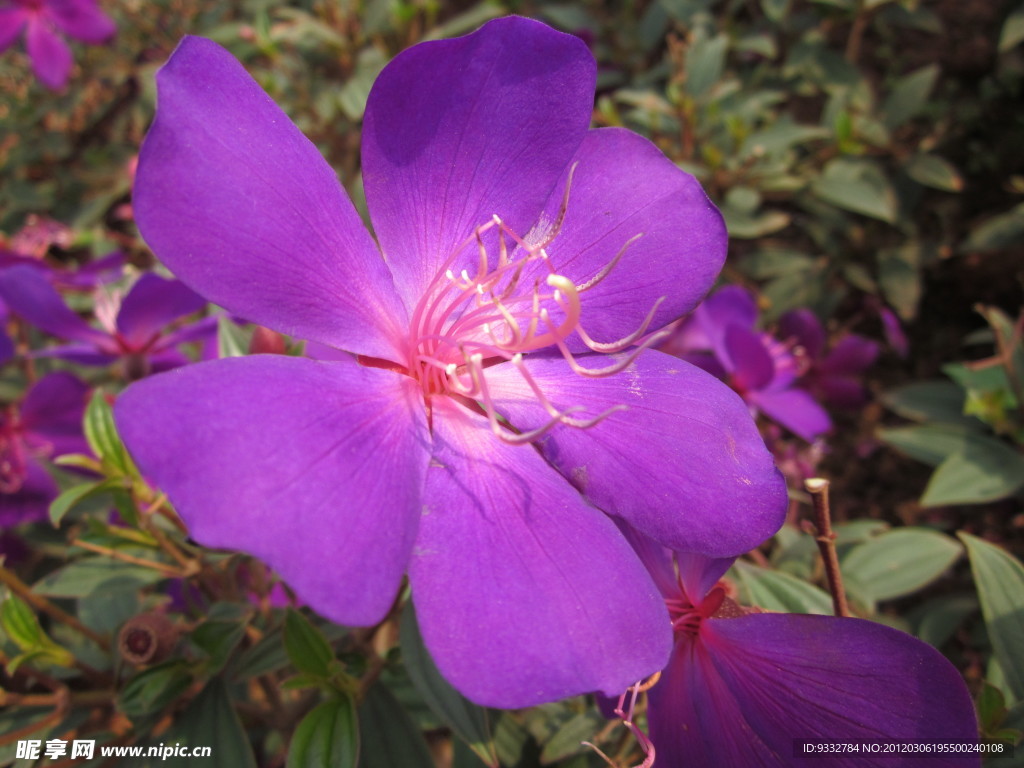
[[622, 188], [12, 21], [27, 293], [794, 409], [6, 345], [242, 207], [684, 464], [457, 131], [52, 412], [153, 303], [747, 688], [316, 468], [51, 57], [747, 359], [525, 594], [82, 20], [32, 500], [803, 326], [850, 356]]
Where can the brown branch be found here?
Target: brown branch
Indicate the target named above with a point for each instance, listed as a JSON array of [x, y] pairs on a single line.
[[826, 538]]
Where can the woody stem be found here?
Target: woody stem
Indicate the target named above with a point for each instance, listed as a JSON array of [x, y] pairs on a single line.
[[826, 539]]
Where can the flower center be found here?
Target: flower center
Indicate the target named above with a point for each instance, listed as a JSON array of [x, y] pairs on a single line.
[[687, 617], [470, 321]]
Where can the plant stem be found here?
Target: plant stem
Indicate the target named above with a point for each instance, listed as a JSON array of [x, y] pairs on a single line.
[[22, 590], [826, 538]]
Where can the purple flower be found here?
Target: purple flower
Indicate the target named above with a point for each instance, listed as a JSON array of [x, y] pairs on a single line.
[[741, 687], [134, 332], [721, 338], [474, 437], [47, 424], [43, 21], [834, 375]]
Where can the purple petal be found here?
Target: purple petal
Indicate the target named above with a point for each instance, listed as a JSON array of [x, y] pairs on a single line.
[[166, 360], [32, 500], [82, 20], [804, 327], [12, 21], [242, 207], [624, 187], [525, 594], [88, 276], [851, 356], [841, 392], [729, 305], [747, 359], [28, 294], [684, 464], [153, 303], [201, 330], [52, 413], [894, 332], [794, 409], [698, 573], [457, 131], [746, 688], [51, 57], [316, 468], [6, 345], [81, 354]]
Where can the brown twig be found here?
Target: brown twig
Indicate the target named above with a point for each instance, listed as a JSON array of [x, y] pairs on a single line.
[[826, 538], [168, 570], [22, 590]]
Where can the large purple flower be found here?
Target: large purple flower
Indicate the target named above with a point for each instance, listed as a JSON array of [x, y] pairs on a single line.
[[741, 688], [135, 331], [47, 424], [43, 22], [720, 337], [454, 443]]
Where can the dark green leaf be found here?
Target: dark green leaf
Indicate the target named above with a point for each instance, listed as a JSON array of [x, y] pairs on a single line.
[[82, 577], [858, 186], [933, 171], [705, 62], [469, 721], [1013, 30], [308, 649], [388, 738], [930, 401], [327, 737], [76, 493], [218, 639], [102, 435], [566, 741], [999, 578], [909, 95], [153, 689], [778, 591], [930, 443]]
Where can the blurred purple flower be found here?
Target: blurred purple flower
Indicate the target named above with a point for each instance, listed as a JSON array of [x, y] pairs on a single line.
[[46, 424], [834, 375], [43, 22], [133, 332], [343, 474], [721, 338], [741, 686]]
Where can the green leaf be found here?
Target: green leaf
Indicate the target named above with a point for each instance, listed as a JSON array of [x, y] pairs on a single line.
[[327, 737], [930, 443], [909, 95], [780, 137], [388, 738], [933, 171], [210, 721], [999, 578], [775, 263], [775, 10], [75, 494], [20, 624], [1004, 230], [985, 469], [705, 62], [899, 275], [84, 576], [153, 689], [935, 400], [566, 741], [469, 721], [308, 649], [859, 186], [778, 591], [102, 436], [938, 619], [1013, 30], [897, 563], [218, 639], [232, 340]]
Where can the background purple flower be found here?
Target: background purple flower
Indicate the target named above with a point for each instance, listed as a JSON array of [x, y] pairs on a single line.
[[343, 475], [43, 22], [833, 375], [741, 687], [720, 337], [135, 331], [46, 424]]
